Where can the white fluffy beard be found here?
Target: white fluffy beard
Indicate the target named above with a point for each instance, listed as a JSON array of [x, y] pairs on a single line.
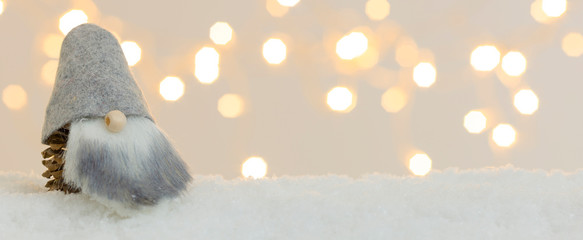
[[137, 166]]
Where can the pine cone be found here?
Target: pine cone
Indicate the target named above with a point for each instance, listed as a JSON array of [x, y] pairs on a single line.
[[55, 161]]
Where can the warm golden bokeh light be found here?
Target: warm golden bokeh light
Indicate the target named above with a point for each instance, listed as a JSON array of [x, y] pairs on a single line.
[[171, 88], [207, 56], [406, 53], [340, 99], [572, 44], [275, 9], [230, 105], [377, 9], [352, 45], [424, 74], [526, 101], [485, 58], [206, 65], [274, 51], [504, 135], [14, 97], [132, 51], [52, 45], [254, 167], [221, 33], [88, 7], [288, 3], [72, 19], [514, 63], [420, 164], [554, 8], [49, 72], [536, 11], [394, 99], [206, 74], [1, 7], [369, 59], [475, 122]]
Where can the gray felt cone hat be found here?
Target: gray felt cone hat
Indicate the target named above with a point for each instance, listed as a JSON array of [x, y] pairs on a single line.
[[93, 78]]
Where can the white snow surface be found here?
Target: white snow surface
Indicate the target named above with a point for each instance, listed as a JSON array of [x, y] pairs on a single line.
[[492, 203]]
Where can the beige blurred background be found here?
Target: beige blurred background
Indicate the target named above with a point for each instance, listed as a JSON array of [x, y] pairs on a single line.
[[285, 117]]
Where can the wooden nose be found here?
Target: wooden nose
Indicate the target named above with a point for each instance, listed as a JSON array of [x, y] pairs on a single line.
[[115, 121]]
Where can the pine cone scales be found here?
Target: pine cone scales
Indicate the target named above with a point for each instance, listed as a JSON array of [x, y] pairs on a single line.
[[55, 161]]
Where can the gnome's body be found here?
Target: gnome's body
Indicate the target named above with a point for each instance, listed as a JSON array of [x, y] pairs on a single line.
[[123, 157]]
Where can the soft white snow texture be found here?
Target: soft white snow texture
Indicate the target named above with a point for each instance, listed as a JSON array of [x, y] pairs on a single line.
[[503, 203]]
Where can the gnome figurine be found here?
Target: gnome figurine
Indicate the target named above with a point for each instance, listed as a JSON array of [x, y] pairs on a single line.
[[103, 139]]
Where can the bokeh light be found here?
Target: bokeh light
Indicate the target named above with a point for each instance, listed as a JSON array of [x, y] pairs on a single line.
[[207, 56], [221, 33], [572, 44], [485, 58], [514, 63], [274, 51], [52, 45], [89, 8], [352, 45], [394, 99], [526, 101], [14, 97], [424, 74], [206, 65], [254, 167], [275, 9], [369, 59], [504, 135], [475, 122], [49, 72], [72, 19], [132, 51], [230, 105], [420, 164], [377, 9], [406, 53], [554, 8], [206, 74], [288, 3], [1, 7], [536, 11], [340, 99], [171, 88]]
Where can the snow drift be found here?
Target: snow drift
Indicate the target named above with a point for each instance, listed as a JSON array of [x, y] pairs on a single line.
[[502, 203]]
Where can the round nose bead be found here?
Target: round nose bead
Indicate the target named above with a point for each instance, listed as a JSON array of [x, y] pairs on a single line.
[[115, 121]]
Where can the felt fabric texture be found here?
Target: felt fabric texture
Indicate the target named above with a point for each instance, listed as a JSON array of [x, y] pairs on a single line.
[[93, 78]]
